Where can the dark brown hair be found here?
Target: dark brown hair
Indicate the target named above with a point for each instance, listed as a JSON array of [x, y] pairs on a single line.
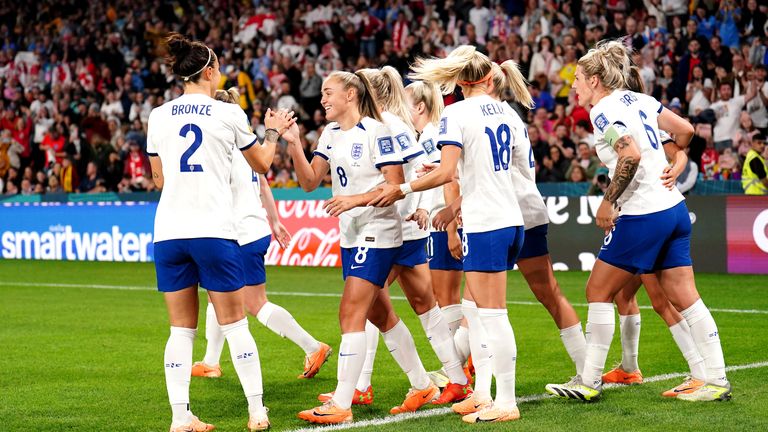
[[187, 59]]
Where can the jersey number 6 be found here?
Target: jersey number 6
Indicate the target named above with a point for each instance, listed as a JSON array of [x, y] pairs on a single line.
[[185, 130]]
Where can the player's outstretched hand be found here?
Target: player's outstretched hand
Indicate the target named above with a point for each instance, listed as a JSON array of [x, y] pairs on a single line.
[[421, 217], [426, 168], [443, 218], [291, 135], [387, 196], [280, 120], [281, 234], [339, 204]]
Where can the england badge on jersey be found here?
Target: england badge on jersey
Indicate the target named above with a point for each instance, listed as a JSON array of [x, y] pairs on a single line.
[[357, 151]]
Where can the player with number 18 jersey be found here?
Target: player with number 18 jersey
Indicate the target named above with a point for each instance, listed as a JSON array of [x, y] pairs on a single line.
[[481, 127]]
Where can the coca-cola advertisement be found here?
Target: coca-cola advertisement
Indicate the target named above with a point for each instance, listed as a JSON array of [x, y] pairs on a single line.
[[315, 236]]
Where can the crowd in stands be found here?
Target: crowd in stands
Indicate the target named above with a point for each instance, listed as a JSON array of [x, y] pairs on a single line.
[[78, 80]]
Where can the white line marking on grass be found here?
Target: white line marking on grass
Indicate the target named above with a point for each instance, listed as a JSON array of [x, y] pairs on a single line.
[[309, 294], [442, 411]]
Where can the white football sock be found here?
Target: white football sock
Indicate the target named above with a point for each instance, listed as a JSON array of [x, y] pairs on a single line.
[[351, 358], [600, 326], [214, 337], [481, 355], [630, 341], [461, 341], [575, 344], [501, 342], [681, 333], [178, 371], [245, 358], [453, 315], [707, 339], [400, 344], [282, 322], [436, 328], [371, 345]]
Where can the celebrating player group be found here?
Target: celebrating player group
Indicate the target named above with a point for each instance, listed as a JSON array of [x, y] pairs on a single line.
[[425, 195]]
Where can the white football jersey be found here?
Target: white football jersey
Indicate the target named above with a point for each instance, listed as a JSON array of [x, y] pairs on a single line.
[[428, 142], [195, 137], [482, 128], [413, 156], [523, 170], [638, 113], [356, 157], [250, 215]]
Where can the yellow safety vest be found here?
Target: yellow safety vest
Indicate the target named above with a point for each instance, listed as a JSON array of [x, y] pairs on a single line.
[[749, 180]]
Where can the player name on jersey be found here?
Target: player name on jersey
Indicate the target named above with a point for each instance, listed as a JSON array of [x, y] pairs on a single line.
[[201, 109]]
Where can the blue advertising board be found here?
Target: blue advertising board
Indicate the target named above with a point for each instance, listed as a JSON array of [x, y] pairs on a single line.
[[105, 231]]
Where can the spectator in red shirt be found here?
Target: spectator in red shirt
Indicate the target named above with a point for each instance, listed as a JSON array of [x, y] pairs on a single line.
[[136, 165], [370, 26], [53, 145]]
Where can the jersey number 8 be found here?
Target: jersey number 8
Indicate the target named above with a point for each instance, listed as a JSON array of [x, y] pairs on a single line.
[[500, 146]]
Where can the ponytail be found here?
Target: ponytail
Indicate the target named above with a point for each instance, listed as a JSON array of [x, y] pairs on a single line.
[[389, 92], [229, 96], [635, 81], [464, 66], [429, 93], [516, 84]]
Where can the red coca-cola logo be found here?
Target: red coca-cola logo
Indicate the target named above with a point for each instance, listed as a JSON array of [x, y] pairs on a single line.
[[315, 236]]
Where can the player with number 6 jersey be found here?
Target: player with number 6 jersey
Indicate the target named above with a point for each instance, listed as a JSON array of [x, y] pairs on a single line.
[[646, 224]]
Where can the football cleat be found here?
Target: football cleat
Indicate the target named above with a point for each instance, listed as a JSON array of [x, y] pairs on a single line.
[[327, 413], [575, 389], [200, 369], [708, 393], [194, 426], [259, 421], [314, 361], [620, 376], [470, 405], [492, 414], [454, 393], [416, 399], [359, 398], [688, 386]]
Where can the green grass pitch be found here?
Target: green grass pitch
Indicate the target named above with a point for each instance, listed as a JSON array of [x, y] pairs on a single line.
[[78, 355]]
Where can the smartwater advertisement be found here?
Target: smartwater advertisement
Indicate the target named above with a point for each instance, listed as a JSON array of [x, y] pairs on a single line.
[[729, 233]]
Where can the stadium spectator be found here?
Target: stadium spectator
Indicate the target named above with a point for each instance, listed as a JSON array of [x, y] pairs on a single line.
[[754, 178], [728, 110], [687, 179], [92, 183]]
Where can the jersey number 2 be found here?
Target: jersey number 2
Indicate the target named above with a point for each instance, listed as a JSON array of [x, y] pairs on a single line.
[[198, 133], [500, 149]]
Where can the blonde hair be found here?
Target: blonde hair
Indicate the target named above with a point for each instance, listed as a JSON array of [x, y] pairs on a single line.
[[365, 96], [610, 62], [389, 92], [507, 77], [465, 66], [229, 96], [429, 93]]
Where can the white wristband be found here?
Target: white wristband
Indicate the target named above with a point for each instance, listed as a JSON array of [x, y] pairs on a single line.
[[406, 188]]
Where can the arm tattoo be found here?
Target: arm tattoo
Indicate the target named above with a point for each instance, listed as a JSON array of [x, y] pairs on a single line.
[[626, 168], [155, 175], [622, 143], [271, 135]]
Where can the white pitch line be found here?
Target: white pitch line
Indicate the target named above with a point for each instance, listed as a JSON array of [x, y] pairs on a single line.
[[442, 411], [310, 294]]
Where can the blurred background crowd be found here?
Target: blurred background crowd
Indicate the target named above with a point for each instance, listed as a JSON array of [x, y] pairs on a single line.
[[77, 83]]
